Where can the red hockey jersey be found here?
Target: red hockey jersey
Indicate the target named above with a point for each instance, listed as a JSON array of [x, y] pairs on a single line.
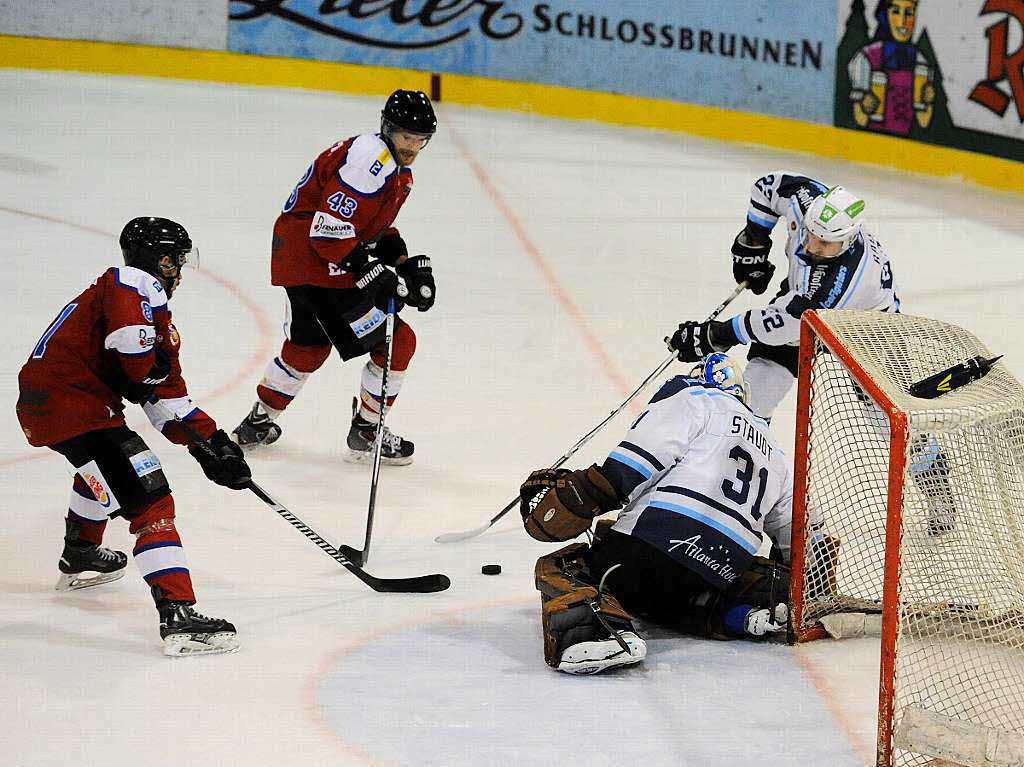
[[69, 385], [350, 194]]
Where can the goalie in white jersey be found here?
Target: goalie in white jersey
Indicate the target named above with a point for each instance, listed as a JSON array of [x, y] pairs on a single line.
[[834, 263], [701, 482]]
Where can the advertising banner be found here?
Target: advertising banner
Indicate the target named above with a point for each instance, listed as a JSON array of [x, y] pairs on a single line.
[[947, 72], [775, 57]]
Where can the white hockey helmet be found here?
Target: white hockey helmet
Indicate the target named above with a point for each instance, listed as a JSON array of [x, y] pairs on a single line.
[[835, 216], [721, 371]]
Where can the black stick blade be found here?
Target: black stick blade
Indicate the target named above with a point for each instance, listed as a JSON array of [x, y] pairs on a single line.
[[423, 584], [355, 556]]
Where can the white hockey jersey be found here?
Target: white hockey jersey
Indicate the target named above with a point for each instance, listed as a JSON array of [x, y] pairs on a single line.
[[704, 480], [861, 278]]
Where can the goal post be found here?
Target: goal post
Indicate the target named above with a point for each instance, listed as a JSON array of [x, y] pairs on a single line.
[[908, 519]]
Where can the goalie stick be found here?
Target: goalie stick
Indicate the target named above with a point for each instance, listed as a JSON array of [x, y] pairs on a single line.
[[465, 534], [421, 584]]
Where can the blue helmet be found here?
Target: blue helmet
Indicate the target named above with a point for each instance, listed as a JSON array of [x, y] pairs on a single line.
[[719, 370]]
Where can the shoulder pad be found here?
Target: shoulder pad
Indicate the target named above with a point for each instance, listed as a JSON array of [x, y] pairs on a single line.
[[368, 164], [674, 386], [143, 283]]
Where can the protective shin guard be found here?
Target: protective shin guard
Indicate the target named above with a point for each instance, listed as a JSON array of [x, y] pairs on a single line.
[[286, 374], [159, 554], [86, 512], [569, 615], [371, 390]]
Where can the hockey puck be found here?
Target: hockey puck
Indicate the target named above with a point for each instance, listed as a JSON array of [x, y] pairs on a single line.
[[490, 569]]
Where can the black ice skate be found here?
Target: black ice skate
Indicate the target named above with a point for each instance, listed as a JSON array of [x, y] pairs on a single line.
[[256, 429], [186, 632], [361, 441], [90, 565]]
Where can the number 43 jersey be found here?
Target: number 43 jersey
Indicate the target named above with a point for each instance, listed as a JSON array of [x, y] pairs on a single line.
[[704, 479]]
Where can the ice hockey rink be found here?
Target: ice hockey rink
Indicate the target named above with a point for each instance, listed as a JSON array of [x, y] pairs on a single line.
[[563, 252]]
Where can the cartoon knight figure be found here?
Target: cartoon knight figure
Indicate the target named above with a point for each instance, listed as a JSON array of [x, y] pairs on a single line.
[[892, 80]]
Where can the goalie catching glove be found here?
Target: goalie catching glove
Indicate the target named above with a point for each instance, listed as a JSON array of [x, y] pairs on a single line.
[[558, 504]]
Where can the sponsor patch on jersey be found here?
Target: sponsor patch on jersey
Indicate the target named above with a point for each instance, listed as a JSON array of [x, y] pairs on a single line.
[[368, 322], [172, 335], [378, 164], [147, 310], [147, 338], [145, 463], [327, 227]]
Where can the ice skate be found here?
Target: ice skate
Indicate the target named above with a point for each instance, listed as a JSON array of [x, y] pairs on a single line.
[[602, 654], [185, 632], [85, 566], [766, 621], [941, 516], [256, 429], [361, 441]]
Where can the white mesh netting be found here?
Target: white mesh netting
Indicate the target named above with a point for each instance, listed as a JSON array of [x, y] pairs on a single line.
[[960, 642]]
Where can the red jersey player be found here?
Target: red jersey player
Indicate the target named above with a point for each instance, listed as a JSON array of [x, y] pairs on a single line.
[[333, 244], [115, 341]]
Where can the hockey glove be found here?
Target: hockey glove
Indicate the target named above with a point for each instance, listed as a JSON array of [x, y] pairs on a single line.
[[419, 277], [558, 504], [389, 248], [380, 283], [695, 340], [750, 261], [227, 467], [139, 392]]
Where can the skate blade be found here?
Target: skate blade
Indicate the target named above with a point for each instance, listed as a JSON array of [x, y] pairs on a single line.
[[187, 645], [366, 456], [77, 581]]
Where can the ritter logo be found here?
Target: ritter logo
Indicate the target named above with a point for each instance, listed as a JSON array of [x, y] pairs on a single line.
[[441, 21], [1002, 65]]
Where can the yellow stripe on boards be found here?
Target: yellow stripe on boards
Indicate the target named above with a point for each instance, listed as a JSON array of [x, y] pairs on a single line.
[[548, 100]]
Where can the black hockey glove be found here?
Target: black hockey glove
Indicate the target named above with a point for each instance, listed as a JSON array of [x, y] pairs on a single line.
[[750, 261], [227, 467], [139, 392], [389, 248], [695, 340], [558, 504], [380, 283], [419, 277]]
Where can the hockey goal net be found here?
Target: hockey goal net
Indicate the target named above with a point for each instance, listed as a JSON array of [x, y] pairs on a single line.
[[909, 516]]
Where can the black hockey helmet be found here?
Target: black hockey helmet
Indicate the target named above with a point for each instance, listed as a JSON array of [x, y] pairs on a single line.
[[409, 110], [157, 246]]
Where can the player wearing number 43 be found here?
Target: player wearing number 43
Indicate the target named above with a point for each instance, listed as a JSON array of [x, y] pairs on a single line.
[[113, 342], [834, 263], [333, 251], [701, 483]]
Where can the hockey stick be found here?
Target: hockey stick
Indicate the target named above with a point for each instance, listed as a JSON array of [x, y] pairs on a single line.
[[357, 556], [421, 584], [461, 536]]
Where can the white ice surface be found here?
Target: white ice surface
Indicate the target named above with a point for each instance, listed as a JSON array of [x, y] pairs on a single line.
[[563, 253]]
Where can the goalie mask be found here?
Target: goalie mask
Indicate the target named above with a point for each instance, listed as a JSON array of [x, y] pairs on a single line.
[[719, 370], [834, 217]]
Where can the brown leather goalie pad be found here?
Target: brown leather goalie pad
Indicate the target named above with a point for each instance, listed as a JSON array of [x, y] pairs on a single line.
[[567, 594]]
